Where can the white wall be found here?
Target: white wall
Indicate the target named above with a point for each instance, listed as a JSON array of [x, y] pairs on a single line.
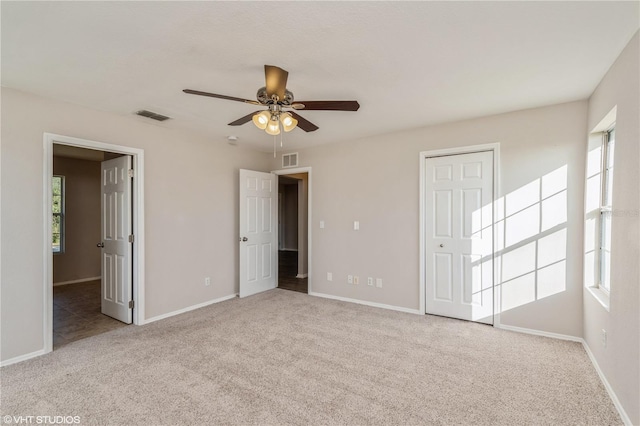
[[375, 180], [191, 202], [620, 359]]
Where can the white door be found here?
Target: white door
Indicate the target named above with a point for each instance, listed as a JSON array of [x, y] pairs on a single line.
[[116, 245], [459, 227], [258, 232]]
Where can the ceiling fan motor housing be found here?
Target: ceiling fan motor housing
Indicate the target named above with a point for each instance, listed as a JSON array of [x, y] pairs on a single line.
[[264, 99], [288, 97], [262, 96]]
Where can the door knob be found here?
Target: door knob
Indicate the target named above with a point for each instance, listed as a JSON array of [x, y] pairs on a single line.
[[244, 239], [101, 245], [441, 245]]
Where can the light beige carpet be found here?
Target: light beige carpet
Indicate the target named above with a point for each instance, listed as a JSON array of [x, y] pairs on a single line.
[[283, 357]]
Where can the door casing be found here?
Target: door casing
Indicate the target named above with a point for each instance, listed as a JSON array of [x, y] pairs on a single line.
[[495, 148], [49, 139]]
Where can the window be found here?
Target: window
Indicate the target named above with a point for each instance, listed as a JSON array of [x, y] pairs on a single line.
[[608, 147], [57, 207]]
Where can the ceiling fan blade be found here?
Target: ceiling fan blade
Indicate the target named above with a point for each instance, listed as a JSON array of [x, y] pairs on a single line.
[[247, 118], [276, 81], [327, 105], [303, 123], [214, 95]]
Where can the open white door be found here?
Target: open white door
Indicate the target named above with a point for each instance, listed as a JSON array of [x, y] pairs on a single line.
[[459, 236], [258, 232], [117, 239]]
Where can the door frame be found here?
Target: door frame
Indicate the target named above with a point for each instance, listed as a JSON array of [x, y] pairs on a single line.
[[493, 147], [138, 279], [294, 171]]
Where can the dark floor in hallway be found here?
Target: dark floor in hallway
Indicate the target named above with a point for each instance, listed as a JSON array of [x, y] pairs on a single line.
[[287, 271], [77, 313]]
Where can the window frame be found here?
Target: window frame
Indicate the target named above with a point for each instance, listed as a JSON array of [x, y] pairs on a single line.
[[606, 208], [61, 246]]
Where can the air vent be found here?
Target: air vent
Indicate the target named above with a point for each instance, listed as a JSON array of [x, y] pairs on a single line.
[[290, 160], [152, 115]]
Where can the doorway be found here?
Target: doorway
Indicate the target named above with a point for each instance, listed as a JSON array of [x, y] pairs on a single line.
[[77, 262], [74, 308], [292, 259], [294, 229], [457, 211]]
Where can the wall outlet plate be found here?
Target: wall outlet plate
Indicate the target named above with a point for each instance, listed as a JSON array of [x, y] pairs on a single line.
[[370, 281], [356, 280], [329, 276], [207, 281], [350, 279], [379, 282]]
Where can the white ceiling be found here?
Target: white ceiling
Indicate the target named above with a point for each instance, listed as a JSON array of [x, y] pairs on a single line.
[[409, 64]]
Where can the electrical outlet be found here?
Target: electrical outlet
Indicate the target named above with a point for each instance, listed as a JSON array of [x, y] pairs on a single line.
[[370, 281], [329, 276], [350, 279], [207, 281], [356, 280], [379, 282], [604, 337]]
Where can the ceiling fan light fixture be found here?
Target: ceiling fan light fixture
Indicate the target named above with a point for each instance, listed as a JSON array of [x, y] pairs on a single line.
[[261, 120], [273, 128], [288, 122]]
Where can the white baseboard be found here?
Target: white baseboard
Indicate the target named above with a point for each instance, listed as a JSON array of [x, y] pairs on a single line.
[[539, 333], [363, 302], [302, 275], [82, 280], [22, 358], [190, 308], [623, 414]]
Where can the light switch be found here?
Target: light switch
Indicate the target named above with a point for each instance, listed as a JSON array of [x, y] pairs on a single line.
[[322, 224], [356, 225]]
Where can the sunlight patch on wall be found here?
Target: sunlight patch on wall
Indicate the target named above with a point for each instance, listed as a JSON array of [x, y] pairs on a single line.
[[532, 240], [518, 262], [554, 211], [522, 225], [552, 248], [551, 279], [519, 291]]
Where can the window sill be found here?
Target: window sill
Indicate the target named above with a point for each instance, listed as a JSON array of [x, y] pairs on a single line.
[[600, 296]]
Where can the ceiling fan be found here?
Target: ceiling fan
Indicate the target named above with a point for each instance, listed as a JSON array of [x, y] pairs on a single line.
[[278, 99]]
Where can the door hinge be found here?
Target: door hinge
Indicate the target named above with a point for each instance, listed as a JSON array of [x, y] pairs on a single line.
[[131, 304], [130, 172], [131, 238]]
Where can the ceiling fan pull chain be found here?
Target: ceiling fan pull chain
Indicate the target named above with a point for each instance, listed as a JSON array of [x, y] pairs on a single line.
[[274, 146]]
